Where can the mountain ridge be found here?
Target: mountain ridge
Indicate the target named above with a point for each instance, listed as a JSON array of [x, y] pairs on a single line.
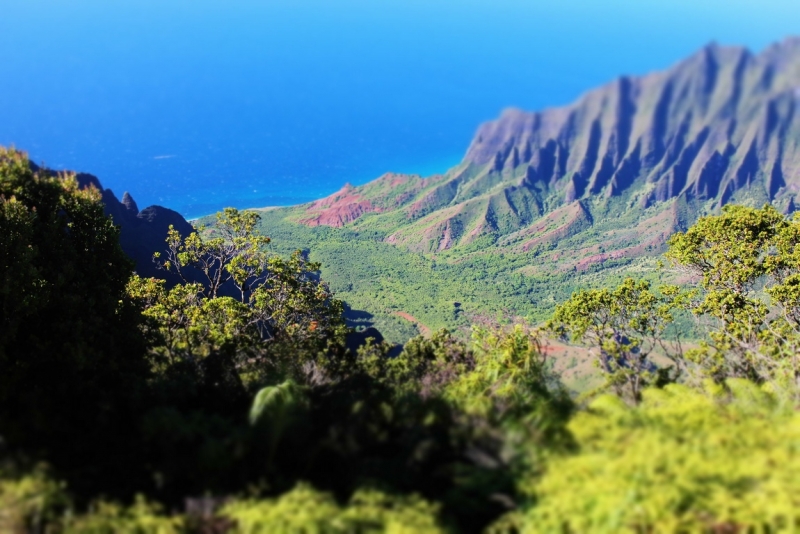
[[142, 233], [697, 106], [718, 127]]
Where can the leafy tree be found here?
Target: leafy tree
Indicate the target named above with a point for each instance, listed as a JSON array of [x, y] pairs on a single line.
[[71, 352], [425, 365], [511, 409], [431, 364], [232, 253], [515, 406], [747, 262], [242, 319], [186, 326], [268, 314], [624, 326], [509, 375]]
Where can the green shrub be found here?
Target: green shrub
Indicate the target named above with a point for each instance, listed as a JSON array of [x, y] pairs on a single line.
[[683, 461], [111, 518], [305, 510], [33, 502]]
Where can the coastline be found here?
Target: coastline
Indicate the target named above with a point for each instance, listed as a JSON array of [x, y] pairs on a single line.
[[264, 208], [432, 168]]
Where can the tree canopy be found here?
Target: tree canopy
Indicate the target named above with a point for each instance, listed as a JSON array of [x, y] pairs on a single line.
[[747, 262], [71, 350]]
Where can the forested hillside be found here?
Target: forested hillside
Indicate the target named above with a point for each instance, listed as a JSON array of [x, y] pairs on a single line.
[[228, 401]]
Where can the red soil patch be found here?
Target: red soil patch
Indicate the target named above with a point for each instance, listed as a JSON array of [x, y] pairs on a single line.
[[553, 349], [396, 179], [575, 215], [421, 205], [340, 208], [424, 330]]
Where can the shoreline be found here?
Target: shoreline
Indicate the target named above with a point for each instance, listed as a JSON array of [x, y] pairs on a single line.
[[264, 208], [425, 171]]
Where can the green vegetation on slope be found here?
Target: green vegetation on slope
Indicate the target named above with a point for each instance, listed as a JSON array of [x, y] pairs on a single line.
[[450, 289], [719, 459]]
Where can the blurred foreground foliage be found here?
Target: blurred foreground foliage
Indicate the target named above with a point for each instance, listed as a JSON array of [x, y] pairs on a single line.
[[230, 402], [718, 459], [305, 510]]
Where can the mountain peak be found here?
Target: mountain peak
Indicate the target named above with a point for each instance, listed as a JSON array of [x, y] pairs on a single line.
[[663, 128], [129, 203]]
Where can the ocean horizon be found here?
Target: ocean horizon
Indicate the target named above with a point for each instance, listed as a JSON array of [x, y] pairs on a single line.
[[197, 106]]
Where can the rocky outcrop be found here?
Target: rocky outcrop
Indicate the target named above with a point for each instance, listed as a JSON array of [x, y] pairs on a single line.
[[142, 233]]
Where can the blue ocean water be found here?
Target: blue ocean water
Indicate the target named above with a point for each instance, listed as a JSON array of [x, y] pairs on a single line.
[[201, 104]]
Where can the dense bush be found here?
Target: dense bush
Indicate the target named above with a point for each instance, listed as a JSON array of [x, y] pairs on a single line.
[[721, 459], [305, 510], [29, 502]]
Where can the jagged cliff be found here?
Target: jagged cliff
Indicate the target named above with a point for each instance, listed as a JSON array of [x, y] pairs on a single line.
[[142, 233], [625, 165], [721, 121]]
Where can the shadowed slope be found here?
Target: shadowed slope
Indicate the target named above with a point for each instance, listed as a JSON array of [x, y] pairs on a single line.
[[142, 233]]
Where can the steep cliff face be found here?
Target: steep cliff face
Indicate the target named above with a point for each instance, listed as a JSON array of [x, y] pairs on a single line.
[[721, 121], [650, 152]]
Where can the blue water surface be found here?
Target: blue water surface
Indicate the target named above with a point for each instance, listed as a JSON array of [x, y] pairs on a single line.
[[202, 104]]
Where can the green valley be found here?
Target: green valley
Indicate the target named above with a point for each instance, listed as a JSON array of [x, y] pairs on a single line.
[[547, 202], [451, 289]]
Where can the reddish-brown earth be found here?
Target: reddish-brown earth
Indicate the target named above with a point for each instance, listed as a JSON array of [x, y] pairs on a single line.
[[575, 215], [342, 207], [424, 330]]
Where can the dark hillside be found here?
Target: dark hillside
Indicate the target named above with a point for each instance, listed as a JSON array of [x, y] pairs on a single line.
[[142, 233]]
